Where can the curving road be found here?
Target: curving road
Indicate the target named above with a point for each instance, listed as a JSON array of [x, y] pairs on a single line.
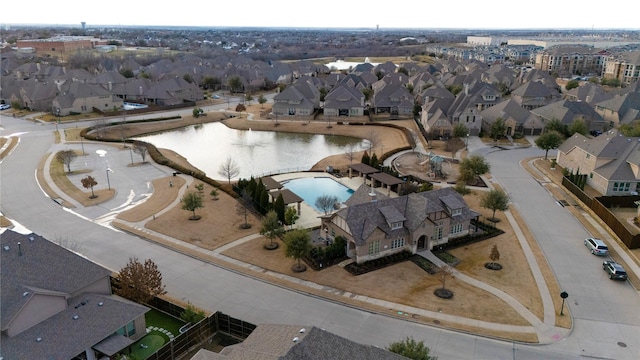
[[606, 313]]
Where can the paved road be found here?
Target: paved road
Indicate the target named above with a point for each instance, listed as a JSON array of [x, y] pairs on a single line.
[[214, 288], [606, 313]]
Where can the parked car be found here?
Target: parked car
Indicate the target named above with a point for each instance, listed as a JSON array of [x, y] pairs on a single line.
[[615, 270], [596, 246], [5, 106]]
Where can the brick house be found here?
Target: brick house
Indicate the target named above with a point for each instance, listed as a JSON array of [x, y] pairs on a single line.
[[376, 226]]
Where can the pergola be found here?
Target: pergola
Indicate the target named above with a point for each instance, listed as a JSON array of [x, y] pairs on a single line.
[[288, 196], [387, 181], [362, 170]]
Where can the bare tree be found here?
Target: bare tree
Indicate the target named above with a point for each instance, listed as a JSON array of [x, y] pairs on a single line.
[[326, 202], [66, 157], [445, 272], [141, 149], [140, 282], [495, 254], [88, 183], [374, 139], [351, 153], [243, 206], [229, 169]]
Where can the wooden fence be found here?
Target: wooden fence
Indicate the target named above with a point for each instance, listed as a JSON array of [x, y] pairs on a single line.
[[600, 207]]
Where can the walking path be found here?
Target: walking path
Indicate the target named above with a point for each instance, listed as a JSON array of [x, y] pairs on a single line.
[[545, 329]]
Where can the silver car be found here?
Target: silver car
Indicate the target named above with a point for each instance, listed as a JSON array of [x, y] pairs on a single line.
[[596, 246]]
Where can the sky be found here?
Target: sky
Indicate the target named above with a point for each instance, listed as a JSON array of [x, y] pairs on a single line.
[[467, 14]]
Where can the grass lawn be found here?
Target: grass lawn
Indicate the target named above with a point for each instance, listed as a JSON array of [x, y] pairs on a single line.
[[146, 346], [164, 321]]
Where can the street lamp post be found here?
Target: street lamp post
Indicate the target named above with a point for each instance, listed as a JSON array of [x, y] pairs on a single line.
[[108, 182], [81, 142], [466, 144], [58, 119], [131, 153]]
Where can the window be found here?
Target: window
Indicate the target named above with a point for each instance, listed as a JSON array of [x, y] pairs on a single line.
[[455, 212], [621, 187], [457, 228], [397, 243], [374, 247], [396, 225], [131, 329]]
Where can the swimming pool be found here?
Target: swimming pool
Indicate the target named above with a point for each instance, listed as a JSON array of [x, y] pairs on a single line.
[[309, 189]]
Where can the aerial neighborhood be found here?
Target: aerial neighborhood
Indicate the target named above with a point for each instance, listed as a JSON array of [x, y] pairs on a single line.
[[485, 163]]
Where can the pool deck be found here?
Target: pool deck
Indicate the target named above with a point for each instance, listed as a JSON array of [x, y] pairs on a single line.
[[309, 217]]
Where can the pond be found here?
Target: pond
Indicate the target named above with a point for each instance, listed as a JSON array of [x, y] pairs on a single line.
[[257, 153]]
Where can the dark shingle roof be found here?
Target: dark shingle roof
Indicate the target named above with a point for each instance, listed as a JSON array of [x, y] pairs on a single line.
[[39, 267], [290, 342], [43, 265], [371, 214]]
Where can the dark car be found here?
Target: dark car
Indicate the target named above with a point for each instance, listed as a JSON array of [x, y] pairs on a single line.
[[615, 270]]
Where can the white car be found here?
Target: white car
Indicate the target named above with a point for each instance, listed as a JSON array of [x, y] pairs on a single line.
[[5, 106]]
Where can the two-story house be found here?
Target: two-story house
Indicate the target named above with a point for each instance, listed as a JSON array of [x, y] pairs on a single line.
[[58, 305], [301, 99], [376, 226], [611, 161], [344, 100]]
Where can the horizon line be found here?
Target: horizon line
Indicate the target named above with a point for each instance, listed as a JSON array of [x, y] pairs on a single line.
[[87, 27]]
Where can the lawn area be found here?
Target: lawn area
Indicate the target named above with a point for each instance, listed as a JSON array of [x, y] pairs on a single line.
[[161, 320], [155, 339]]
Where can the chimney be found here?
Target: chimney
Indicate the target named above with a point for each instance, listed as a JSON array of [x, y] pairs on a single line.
[[110, 86], [466, 89]]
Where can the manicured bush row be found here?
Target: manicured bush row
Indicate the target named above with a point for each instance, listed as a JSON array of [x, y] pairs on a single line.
[[371, 265], [424, 264]]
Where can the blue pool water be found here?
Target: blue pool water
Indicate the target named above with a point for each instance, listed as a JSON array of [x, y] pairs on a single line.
[[310, 189]]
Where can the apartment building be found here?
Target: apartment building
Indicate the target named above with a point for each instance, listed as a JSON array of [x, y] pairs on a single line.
[[572, 60], [624, 67]]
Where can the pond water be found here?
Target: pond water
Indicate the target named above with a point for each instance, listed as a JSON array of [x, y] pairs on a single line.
[[257, 153], [310, 189]]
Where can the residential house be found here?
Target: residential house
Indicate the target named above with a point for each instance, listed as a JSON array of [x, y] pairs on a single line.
[[172, 91], [344, 100], [501, 75], [625, 67], [589, 93], [620, 110], [517, 120], [58, 305], [433, 116], [611, 161], [534, 94], [385, 68], [543, 77], [302, 98], [470, 102], [391, 96], [81, 98], [567, 112], [291, 342], [376, 226]]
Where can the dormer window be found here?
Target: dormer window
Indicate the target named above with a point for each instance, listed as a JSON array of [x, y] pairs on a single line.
[[396, 225], [455, 212]]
